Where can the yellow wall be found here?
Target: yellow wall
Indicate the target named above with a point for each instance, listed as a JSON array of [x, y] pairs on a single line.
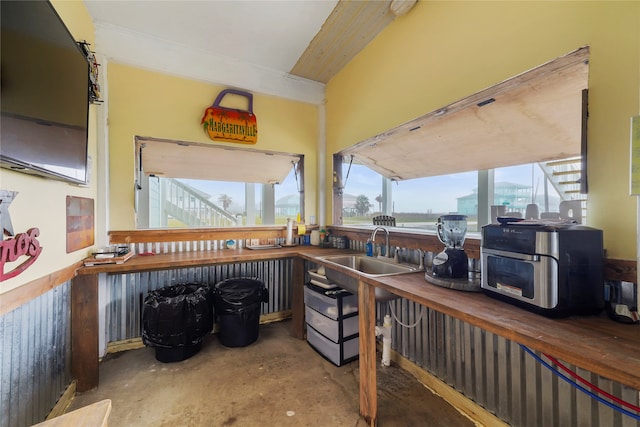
[[145, 103], [443, 51], [438, 53], [41, 202]]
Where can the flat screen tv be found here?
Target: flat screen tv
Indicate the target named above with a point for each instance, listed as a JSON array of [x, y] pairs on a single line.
[[44, 90]]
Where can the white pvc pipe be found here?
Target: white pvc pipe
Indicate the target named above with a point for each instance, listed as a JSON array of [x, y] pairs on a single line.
[[386, 341], [385, 331]]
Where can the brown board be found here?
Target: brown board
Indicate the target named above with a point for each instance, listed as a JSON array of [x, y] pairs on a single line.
[[80, 223]]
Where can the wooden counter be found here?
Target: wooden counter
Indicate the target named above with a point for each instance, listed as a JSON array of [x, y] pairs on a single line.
[[197, 258], [84, 295], [594, 343]]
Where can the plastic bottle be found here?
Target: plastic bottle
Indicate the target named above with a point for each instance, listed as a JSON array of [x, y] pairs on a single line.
[[289, 239], [369, 248], [315, 237]]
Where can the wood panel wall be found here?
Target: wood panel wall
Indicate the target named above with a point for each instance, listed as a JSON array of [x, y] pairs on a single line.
[[615, 269]]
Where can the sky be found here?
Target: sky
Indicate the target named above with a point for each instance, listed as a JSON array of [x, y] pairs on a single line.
[[437, 194]]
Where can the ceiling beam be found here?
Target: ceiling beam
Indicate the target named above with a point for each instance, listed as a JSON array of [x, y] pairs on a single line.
[[348, 29]]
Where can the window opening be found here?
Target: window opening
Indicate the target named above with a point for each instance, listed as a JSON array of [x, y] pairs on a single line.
[[202, 186], [417, 203], [179, 203]]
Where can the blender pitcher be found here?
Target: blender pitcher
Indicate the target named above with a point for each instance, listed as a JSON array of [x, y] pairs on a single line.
[[451, 230]]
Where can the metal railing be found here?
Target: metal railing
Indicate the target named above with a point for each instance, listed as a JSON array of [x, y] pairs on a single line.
[[564, 175], [189, 206]]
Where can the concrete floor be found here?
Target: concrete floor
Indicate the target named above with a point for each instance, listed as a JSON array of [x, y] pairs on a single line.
[[276, 381]]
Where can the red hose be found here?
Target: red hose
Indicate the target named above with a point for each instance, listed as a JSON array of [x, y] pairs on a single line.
[[592, 386]]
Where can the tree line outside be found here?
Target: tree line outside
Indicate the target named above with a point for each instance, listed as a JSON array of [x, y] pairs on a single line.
[[362, 214]]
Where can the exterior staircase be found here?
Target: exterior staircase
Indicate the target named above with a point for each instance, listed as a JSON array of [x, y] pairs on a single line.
[[190, 206], [564, 175]]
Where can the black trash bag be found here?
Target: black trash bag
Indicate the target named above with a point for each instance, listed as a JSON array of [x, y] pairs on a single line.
[[237, 305], [177, 316], [239, 295]]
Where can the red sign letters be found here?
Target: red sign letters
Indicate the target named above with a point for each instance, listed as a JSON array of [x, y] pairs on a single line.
[[23, 244]]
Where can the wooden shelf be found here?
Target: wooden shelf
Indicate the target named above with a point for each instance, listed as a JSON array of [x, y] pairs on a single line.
[[594, 343], [196, 258], [615, 269]]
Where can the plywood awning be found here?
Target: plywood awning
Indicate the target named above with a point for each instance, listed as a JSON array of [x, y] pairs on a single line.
[[533, 117], [178, 159]]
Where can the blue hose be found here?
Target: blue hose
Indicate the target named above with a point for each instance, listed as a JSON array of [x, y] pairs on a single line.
[[579, 387]]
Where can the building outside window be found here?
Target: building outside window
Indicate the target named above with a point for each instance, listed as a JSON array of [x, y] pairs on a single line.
[[417, 203]]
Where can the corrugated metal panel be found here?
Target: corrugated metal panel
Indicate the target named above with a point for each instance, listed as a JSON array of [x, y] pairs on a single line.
[[494, 372], [126, 292], [498, 374], [35, 357]]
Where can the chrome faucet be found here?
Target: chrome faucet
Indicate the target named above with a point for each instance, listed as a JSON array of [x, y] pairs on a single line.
[[387, 251]]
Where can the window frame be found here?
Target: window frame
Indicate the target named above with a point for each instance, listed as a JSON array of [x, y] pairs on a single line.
[[485, 195], [564, 79], [142, 186]]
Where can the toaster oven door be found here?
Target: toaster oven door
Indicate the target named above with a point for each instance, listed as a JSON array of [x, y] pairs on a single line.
[[529, 278]]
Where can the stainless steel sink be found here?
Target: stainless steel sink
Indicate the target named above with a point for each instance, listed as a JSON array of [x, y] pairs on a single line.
[[364, 266]]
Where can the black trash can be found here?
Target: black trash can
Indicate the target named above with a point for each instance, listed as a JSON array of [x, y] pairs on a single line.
[[175, 319], [237, 305]]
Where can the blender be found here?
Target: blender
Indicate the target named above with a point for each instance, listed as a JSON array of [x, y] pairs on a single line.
[[452, 262]]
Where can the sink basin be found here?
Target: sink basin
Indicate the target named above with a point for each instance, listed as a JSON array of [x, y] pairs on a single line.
[[364, 266]]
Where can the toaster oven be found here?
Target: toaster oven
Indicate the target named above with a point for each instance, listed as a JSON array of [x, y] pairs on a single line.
[[551, 269]]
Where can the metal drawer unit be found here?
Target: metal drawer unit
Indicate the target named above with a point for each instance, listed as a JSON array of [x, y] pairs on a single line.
[[332, 323]]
